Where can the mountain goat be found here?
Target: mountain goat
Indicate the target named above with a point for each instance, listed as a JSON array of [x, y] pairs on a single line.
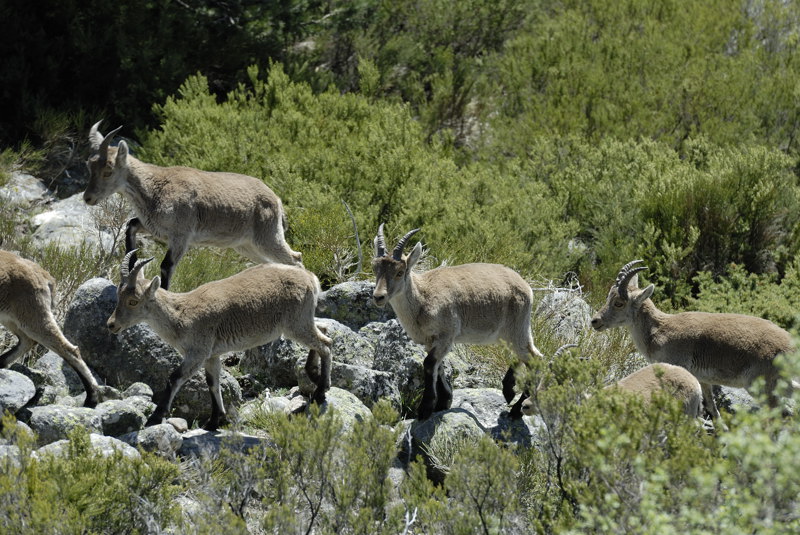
[[662, 377], [727, 349], [470, 303], [27, 298], [245, 310], [183, 206]]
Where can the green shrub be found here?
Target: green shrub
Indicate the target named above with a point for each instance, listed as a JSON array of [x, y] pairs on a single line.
[[86, 493]]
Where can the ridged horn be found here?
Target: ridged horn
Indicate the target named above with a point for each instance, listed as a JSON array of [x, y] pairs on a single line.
[[380, 243], [625, 275], [397, 254], [125, 266], [562, 349]]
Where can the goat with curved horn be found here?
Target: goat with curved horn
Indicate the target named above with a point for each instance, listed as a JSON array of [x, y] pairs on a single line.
[[249, 309], [183, 206], [471, 303], [726, 349]]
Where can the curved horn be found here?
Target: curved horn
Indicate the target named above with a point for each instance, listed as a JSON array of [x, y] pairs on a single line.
[[380, 243], [397, 254], [137, 268], [124, 267], [95, 137], [625, 276], [562, 349], [103, 148]]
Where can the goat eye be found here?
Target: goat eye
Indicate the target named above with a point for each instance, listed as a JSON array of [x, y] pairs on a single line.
[[399, 274], [619, 304], [133, 302], [106, 173]]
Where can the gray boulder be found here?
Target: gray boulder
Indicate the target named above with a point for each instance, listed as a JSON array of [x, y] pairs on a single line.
[[193, 401], [202, 443], [350, 303], [16, 390], [347, 406], [54, 422], [566, 312], [490, 409], [101, 445], [137, 354], [161, 438], [438, 437], [119, 417], [366, 384]]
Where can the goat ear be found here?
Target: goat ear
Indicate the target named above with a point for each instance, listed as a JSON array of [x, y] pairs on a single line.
[[155, 284], [645, 294], [634, 282], [413, 257], [122, 155]]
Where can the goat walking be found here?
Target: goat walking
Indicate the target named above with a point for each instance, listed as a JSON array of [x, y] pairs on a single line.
[[183, 206], [251, 308], [471, 304]]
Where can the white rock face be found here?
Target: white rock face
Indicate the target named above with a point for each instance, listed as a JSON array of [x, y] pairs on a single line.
[[70, 223]]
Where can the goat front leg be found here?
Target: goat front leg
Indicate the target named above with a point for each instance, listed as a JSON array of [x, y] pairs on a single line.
[[444, 392], [429, 395], [509, 381], [176, 381], [218, 415]]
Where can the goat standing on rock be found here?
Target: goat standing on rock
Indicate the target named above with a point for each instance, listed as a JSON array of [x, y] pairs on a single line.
[[251, 308], [183, 206], [726, 349], [27, 298], [471, 304]]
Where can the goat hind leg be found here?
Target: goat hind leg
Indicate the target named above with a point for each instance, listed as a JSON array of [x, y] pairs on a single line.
[[428, 403], [52, 338]]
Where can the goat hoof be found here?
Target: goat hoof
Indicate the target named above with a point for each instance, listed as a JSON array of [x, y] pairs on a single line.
[[154, 420]]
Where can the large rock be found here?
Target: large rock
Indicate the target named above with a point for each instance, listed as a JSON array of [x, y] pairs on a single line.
[[54, 422], [161, 438], [101, 445], [202, 443], [15, 391], [366, 384], [137, 354], [24, 190], [70, 223], [566, 312], [350, 303], [490, 409], [119, 417]]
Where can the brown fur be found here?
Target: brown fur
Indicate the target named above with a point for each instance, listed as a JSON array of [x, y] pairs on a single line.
[[27, 295], [183, 206], [248, 309], [727, 349]]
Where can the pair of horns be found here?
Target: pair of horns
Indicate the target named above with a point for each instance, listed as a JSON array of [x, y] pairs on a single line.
[[99, 142], [625, 275], [129, 273], [380, 243]]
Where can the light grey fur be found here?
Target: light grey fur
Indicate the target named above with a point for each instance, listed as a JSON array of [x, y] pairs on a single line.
[[727, 349], [183, 206], [27, 298], [470, 303], [251, 308]]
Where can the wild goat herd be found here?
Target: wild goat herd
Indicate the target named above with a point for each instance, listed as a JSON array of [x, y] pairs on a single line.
[[471, 303]]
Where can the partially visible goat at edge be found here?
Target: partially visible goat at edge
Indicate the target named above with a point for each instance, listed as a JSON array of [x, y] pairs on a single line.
[[672, 380], [470, 303], [183, 206], [726, 349], [27, 299], [251, 308]]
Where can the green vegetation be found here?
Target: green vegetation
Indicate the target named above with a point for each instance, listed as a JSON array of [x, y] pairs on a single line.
[[562, 139]]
